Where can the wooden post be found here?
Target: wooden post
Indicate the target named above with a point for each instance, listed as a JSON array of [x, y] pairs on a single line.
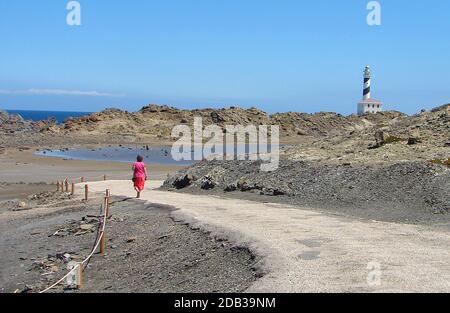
[[57, 186], [102, 244], [103, 239], [104, 177], [86, 192], [106, 204], [73, 189], [80, 276], [67, 185]]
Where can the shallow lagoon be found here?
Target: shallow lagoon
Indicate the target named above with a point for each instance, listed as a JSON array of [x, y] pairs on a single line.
[[127, 154], [158, 155]]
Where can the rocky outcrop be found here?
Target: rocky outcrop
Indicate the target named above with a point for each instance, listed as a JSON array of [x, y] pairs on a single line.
[[387, 138], [15, 131], [12, 123], [404, 188], [158, 121], [4, 116], [379, 140]]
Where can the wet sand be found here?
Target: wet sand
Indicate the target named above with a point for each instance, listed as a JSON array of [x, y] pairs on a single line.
[[22, 173], [9, 191]]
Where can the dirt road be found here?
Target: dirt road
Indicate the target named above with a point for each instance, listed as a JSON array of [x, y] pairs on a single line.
[[308, 251]]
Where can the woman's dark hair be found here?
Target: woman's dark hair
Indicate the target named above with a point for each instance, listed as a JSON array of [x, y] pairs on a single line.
[[139, 158]]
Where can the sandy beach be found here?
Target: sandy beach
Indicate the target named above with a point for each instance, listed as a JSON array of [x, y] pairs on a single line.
[[24, 166], [23, 173]]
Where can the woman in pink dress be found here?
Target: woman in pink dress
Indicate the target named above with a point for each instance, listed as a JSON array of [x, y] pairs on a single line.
[[139, 175]]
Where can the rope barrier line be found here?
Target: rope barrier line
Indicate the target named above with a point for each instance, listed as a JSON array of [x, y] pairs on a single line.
[[119, 175], [61, 280], [99, 238], [86, 179], [102, 233]]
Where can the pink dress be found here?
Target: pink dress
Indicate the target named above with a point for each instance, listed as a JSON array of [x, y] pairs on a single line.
[[139, 175]]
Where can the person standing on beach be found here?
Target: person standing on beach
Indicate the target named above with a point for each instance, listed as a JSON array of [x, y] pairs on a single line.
[[139, 175]]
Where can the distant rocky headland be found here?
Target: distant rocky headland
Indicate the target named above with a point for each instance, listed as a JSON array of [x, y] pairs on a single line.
[[325, 137]]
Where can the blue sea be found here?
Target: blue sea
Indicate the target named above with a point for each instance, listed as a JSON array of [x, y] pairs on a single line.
[[60, 116]]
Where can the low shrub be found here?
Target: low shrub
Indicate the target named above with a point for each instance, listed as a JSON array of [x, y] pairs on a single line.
[[393, 139], [444, 162]]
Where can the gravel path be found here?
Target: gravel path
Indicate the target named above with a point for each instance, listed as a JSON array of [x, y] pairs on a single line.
[[308, 251]]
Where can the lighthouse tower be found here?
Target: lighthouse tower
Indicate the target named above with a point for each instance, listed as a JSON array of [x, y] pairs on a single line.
[[368, 105]]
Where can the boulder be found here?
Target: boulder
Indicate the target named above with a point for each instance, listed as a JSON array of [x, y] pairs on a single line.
[[216, 118], [413, 141], [183, 181], [244, 185], [379, 140], [231, 187], [208, 183], [4, 116], [271, 191]]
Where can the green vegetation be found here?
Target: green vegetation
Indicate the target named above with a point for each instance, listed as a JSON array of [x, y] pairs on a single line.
[[393, 139], [441, 162]]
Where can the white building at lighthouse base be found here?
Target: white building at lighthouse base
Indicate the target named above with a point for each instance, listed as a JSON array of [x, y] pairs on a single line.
[[370, 106]]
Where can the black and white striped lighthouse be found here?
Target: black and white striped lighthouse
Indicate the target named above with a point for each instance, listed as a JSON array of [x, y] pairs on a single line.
[[368, 105], [367, 78]]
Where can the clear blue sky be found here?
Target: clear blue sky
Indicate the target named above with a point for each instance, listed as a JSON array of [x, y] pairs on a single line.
[[277, 55]]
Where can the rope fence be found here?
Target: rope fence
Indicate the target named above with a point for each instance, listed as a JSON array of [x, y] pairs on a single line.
[[83, 179], [100, 241], [70, 183]]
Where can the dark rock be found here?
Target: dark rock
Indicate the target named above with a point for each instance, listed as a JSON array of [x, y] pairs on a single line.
[[183, 181], [208, 183], [273, 192], [27, 289], [231, 187], [216, 118], [413, 141]]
